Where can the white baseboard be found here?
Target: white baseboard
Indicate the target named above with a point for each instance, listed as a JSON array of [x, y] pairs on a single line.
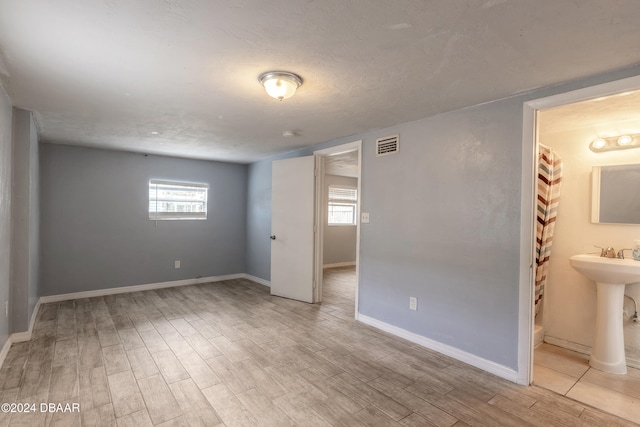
[[5, 351], [137, 288], [471, 359], [258, 280], [17, 337], [339, 264], [538, 336], [32, 322], [583, 349], [573, 346]]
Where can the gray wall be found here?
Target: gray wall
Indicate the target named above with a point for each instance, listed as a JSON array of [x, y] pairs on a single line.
[[339, 241], [258, 226], [445, 228], [24, 221], [5, 210], [445, 224], [259, 220], [95, 228]]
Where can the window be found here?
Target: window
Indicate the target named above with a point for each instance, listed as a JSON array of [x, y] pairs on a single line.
[[342, 205], [177, 200]]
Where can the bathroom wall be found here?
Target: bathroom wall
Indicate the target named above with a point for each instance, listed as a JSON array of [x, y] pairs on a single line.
[[339, 240], [570, 298]]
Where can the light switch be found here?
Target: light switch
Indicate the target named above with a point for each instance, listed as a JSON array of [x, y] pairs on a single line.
[[364, 217]]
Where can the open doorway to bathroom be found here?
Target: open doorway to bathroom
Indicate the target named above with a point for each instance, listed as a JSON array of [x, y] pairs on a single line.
[[339, 227], [563, 316]]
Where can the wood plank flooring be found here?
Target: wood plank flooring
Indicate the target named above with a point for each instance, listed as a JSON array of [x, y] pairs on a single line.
[[230, 354]]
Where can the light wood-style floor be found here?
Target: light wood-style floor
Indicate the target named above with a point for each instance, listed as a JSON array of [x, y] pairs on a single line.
[[568, 373], [229, 353]]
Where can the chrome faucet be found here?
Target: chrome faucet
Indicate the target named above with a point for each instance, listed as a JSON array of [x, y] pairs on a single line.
[[609, 252], [621, 252]]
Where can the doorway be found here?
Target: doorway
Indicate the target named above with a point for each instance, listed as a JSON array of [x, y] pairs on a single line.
[[529, 196], [337, 242]]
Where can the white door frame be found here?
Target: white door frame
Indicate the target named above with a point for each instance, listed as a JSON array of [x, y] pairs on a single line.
[[318, 229], [320, 214], [527, 204]]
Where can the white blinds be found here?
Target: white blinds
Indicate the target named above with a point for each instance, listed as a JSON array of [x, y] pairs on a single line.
[[342, 205], [342, 194], [177, 200]]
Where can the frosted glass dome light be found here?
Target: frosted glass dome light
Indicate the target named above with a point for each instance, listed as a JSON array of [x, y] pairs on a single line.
[[280, 84]]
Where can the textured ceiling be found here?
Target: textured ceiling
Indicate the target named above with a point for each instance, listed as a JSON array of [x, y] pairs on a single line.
[[179, 77], [585, 121]]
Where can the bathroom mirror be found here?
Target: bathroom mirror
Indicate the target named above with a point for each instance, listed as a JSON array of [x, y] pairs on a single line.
[[614, 198]]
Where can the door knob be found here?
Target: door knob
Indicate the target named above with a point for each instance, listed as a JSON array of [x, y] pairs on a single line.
[[273, 237]]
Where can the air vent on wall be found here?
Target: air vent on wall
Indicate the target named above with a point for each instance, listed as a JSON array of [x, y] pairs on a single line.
[[387, 145]]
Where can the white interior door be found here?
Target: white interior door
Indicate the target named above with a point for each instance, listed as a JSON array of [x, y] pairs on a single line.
[[292, 224]]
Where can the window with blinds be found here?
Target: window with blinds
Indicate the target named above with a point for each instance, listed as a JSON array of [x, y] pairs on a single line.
[[342, 205], [177, 200]]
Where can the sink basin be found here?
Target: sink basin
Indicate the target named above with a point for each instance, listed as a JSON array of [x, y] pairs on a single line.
[[610, 275], [607, 270]]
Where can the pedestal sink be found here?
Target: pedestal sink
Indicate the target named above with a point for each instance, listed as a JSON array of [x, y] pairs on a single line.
[[610, 275]]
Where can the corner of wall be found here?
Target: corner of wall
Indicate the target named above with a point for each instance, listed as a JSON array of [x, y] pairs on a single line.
[[24, 259], [6, 118]]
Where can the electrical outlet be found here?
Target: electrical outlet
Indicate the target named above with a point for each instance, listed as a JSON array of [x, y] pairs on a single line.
[[364, 217], [6, 309], [177, 264], [413, 303]]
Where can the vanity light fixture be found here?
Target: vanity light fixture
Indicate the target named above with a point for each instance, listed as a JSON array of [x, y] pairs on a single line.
[[621, 142], [625, 140], [280, 84]]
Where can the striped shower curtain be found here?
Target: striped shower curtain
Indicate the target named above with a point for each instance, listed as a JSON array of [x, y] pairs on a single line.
[[549, 179]]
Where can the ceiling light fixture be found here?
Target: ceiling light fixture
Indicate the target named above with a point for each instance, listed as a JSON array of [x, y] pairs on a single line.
[[625, 140], [621, 142], [280, 84]]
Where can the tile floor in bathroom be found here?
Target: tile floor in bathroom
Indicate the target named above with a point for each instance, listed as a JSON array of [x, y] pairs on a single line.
[[568, 373]]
